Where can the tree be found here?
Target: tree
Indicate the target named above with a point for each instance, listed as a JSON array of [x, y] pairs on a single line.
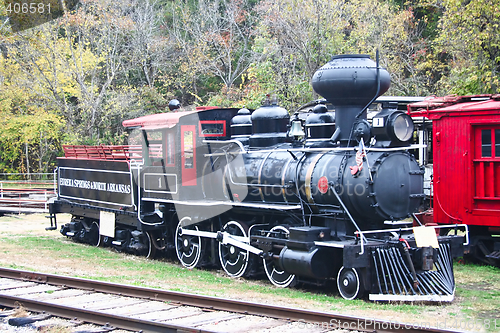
[[297, 43], [31, 133], [215, 38], [300, 41], [75, 79], [98, 50], [469, 35]]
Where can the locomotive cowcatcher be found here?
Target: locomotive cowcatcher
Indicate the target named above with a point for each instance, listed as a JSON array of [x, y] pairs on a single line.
[[311, 198]]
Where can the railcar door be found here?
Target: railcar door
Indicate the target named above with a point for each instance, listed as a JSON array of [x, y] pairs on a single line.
[[159, 174], [486, 165]]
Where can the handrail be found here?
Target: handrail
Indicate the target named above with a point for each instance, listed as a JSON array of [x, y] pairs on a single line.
[[104, 152], [441, 226]]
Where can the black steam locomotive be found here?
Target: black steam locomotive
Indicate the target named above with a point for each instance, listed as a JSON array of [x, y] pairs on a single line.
[[311, 198]]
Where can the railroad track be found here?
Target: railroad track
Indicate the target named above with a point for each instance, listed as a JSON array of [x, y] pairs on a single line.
[[153, 310]]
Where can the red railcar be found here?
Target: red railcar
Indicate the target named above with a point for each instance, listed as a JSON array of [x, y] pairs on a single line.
[[466, 166]]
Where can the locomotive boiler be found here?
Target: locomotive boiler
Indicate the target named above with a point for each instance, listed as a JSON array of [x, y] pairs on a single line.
[[312, 198]]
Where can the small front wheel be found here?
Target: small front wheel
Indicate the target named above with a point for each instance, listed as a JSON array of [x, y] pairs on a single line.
[[149, 250], [94, 236], [349, 283]]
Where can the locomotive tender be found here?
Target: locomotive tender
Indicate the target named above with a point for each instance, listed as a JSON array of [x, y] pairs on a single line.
[[303, 199]]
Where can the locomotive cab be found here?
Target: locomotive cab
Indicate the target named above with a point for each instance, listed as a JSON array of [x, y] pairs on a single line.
[[174, 148]]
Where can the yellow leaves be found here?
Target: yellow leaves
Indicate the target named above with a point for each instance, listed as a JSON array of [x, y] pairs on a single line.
[[30, 126]]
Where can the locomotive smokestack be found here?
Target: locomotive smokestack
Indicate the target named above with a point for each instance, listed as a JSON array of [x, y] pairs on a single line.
[[350, 82]]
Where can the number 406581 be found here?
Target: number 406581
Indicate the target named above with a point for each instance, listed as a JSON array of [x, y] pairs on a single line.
[[28, 8]]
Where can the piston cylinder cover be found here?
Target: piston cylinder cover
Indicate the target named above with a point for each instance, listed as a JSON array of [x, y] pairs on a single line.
[[312, 263], [301, 257]]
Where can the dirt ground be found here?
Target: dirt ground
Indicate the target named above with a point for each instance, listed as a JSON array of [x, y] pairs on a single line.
[[44, 260]]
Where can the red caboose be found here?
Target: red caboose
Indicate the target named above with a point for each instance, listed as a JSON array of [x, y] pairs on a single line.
[[466, 166]]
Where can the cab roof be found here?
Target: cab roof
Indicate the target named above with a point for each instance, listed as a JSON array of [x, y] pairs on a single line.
[[162, 120]]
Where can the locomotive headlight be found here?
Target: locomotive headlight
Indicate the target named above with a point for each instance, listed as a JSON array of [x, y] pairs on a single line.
[[392, 127], [401, 126]]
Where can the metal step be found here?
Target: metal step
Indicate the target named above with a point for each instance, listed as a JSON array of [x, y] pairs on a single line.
[[494, 255]]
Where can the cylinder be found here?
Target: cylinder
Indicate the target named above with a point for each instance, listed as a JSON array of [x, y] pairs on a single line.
[[315, 263]]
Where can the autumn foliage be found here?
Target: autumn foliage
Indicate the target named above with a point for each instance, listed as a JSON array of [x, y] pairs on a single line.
[[74, 79]]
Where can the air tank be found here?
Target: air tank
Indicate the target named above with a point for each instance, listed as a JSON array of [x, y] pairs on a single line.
[[269, 125], [241, 126]]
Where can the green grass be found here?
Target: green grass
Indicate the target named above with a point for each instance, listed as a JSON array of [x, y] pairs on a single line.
[[480, 290], [146, 270]]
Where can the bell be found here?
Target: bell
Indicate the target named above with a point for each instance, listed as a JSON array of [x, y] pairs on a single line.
[[296, 128]]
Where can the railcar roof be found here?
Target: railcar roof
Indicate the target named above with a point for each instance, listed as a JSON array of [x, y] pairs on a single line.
[[162, 120], [455, 106]]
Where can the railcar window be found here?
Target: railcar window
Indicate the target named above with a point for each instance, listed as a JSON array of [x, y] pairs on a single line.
[[486, 143], [497, 143], [212, 128], [134, 137], [490, 142], [170, 148], [155, 147], [486, 164], [188, 149], [154, 135]]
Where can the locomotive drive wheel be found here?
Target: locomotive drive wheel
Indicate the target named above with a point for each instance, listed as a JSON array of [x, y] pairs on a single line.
[[187, 248], [349, 283], [234, 261], [275, 274]]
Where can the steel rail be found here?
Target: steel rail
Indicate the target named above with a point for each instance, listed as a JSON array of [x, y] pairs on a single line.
[[95, 317], [332, 320]]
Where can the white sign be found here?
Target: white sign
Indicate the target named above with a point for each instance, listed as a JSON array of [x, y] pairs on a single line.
[[425, 237], [107, 224]]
